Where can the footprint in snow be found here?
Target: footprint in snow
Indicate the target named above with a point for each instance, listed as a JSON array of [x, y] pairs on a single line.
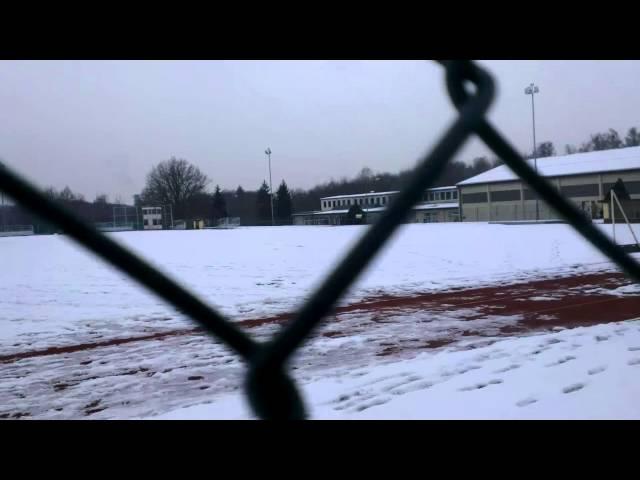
[[507, 368], [526, 401], [562, 360], [481, 385], [597, 370], [573, 388]]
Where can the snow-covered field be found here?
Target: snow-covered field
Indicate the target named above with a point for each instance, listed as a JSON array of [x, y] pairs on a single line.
[[582, 373], [52, 293]]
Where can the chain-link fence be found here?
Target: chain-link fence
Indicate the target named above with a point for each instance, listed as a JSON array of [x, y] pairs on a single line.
[[271, 391]]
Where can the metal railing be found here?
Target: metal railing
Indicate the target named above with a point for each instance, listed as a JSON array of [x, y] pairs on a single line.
[[10, 230], [271, 391]]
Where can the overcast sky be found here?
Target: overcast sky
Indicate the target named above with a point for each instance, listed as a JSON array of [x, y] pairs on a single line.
[[99, 126]]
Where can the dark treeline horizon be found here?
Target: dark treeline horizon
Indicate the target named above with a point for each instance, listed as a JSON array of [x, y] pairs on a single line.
[[253, 206]]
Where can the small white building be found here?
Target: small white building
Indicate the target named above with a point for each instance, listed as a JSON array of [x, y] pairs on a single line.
[[438, 205], [152, 218]]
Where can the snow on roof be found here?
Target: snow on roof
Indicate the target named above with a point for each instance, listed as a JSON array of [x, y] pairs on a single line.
[[370, 194], [432, 206], [578, 163], [420, 206], [333, 212], [373, 194]]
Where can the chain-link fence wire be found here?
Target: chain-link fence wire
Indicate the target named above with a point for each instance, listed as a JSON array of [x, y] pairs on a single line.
[[271, 392]]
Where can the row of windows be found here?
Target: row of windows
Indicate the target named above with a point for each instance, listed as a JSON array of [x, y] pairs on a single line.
[[480, 197], [505, 196], [439, 196], [588, 190], [155, 222], [152, 210], [573, 191], [354, 201]]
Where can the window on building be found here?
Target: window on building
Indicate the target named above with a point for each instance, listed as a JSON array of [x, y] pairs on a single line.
[[530, 195], [146, 221], [505, 196], [455, 194], [480, 197], [448, 196], [587, 190]]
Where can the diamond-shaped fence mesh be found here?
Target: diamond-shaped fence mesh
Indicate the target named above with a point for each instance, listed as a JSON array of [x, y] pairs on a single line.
[[271, 391]]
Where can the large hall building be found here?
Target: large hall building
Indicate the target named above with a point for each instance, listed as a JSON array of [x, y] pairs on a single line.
[[583, 178]]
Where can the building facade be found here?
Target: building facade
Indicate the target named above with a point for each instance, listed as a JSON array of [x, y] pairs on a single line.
[[437, 205], [583, 178], [152, 218]]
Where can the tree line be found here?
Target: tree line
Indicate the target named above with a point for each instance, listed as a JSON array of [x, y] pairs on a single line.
[[178, 183], [182, 185]]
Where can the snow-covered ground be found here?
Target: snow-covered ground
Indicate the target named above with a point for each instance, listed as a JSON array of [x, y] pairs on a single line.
[[582, 373], [49, 284], [53, 293]]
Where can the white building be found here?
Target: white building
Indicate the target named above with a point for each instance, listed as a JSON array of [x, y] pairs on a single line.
[[152, 218], [438, 205]]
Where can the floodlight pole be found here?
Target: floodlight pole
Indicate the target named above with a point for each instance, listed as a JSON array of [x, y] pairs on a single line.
[[532, 90], [268, 152]]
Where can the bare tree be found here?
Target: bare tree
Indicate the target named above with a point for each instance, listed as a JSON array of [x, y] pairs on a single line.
[[174, 182]]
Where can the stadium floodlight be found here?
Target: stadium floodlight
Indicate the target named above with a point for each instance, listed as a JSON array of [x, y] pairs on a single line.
[[268, 152], [532, 89]]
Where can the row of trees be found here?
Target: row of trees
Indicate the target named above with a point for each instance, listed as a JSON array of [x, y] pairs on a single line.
[[607, 141], [101, 210], [182, 185]]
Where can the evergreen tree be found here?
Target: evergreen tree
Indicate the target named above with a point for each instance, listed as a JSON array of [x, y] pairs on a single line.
[[355, 215], [545, 149], [263, 204], [284, 205], [219, 205]]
